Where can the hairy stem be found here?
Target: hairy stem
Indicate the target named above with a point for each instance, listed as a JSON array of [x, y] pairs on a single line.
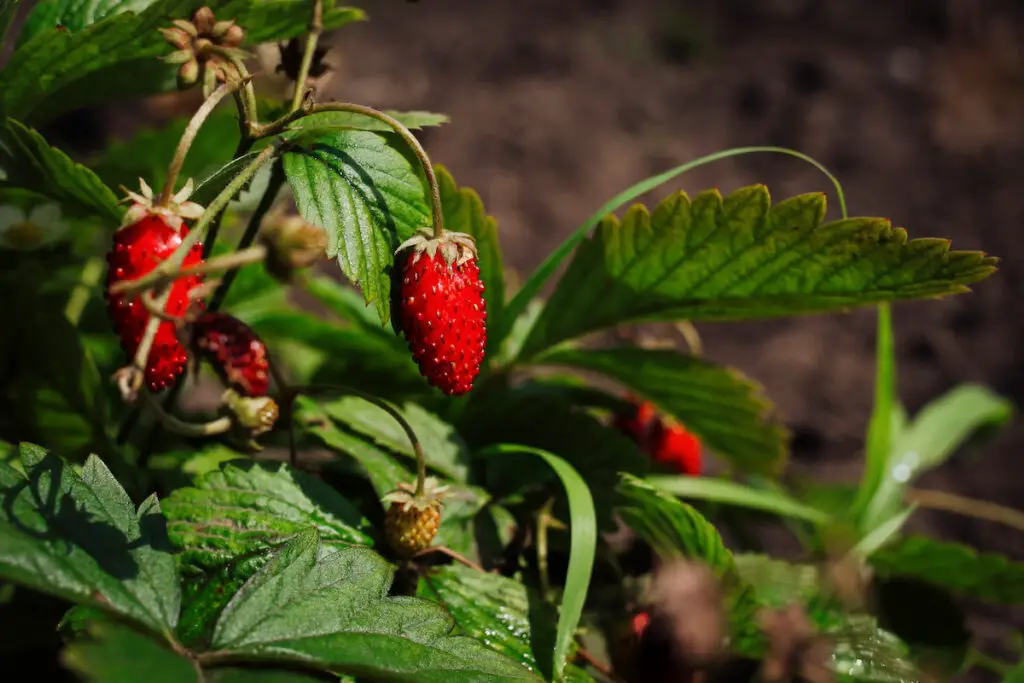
[[171, 423], [968, 507], [277, 180], [248, 100], [189, 136], [79, 298], [414, 144], [458, 557], [316, 25], [155, 280], [421, 459]]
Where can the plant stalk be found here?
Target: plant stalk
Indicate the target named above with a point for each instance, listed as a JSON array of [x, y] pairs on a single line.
[[316, 25]]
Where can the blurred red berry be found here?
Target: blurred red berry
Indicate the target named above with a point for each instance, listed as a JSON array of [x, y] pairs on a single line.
[[665, 441]]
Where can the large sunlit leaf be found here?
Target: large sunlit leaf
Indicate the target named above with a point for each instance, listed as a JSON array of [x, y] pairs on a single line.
[[955, 567], [934, 434], [367, 195], [738, 258], [502, 613], [32, 164], [80, 538], [582, 549], [116, 57], [725, 409], [333, 612]]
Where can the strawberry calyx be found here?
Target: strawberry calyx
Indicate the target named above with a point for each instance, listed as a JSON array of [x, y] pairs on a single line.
[[174, 211], [405, 496], [456, 248]]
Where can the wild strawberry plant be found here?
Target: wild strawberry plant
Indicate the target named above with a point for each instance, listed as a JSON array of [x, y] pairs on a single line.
[[450, 482]]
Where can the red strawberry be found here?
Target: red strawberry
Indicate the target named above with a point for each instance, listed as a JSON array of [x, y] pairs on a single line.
[[138, 248], [441, 310], [665, 441], [640, 622], [234, 350]]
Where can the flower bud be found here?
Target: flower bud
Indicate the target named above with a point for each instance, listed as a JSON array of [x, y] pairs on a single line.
[[251, 416], [188, 74], [291, 243], [177, 37], [204, 20]]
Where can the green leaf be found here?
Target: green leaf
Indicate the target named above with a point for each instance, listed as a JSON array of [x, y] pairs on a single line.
[[1015, 675], [673, 528], [8, 8], [954, 567], [54, 71], [541, 417], [739, 258], [369, 198], [733, 493], [464, 212], [884, 533], [502, 613], [934, 434], [32, 164], [583, 546], [212, 185], [443, 447], [881, 425], [146, 154], [346, 303], [327, 120], [116, 654], [864, 653], [81, 539], [721, 406], [333, 611], [242, 509]]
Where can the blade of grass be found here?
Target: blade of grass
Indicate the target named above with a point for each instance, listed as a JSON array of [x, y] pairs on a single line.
[[740, 495]]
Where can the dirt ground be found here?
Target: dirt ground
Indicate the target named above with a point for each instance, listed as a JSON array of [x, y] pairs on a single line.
[[917, 106]]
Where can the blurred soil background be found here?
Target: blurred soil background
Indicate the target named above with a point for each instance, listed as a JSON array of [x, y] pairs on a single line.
[[917, 106]]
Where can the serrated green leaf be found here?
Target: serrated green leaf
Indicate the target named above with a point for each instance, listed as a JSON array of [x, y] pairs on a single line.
[[721, 406], [673, 528], [54, 71], [443, 447], [146, 154], [327, 120], [541, 417], [733, 493], [32, 164], [582, 549], [501, 613], [243, 508], [334, 612], [464, 212], [934, 434], [739, 258], [116, 654], [81, 539], [955, 567], [367, 196]]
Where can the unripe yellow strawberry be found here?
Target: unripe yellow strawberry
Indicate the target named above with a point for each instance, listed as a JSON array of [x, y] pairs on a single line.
[[411, 521]]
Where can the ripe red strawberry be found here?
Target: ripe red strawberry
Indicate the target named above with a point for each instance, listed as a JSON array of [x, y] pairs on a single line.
[[138, 248], [441, 310], [665, 441], [237, 354]]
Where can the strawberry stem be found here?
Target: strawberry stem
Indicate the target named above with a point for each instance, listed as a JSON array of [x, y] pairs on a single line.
[[421, 459], [414, 144], [247, 101], [189, 136], [171, 423], [156, 279], [315, 28]]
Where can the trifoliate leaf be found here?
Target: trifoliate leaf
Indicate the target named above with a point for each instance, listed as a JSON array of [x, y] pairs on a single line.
[[725, 409], [464, 212], [955, 567], [369, 198], [333, 611], [81, 539], [503, 614], [54, 70], [32, 164], [741, 258], [443, 447]]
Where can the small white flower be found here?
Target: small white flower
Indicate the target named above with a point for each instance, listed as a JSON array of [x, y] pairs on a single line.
[[42, 226]]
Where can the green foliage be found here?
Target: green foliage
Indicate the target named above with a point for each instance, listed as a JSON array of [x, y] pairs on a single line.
[[718, 404], [739, 257], [741, 495], [32, 164], [333, 611], [80, 538], [116, 654], [955, 567], [368, 197], [329, 120], [502, 613], [53, 71]]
